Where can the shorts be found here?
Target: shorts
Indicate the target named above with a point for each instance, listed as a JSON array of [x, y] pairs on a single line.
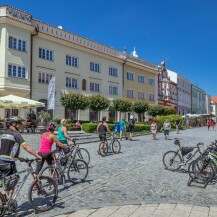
[[58, 149], [102, 138], [132, 129], [177, 126], [154, 131], [166, 132], [7, 168]]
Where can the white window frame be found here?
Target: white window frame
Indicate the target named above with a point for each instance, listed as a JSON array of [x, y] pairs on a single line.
[[141, 79], [95, 87], [46, 54], [113, 71], [17, 43], [72, 83], [130, 93], [141, 93], [72, 61], [113, 90], [47, 77], [95, 67], [17, 71], [130, 76], [151, 83], [151, 97]]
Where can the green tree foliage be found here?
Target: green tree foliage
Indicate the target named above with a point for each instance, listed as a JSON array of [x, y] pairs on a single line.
[[140, 107], [122, 105], [75, 101], [98, 102], [155, 110], [169, 110]]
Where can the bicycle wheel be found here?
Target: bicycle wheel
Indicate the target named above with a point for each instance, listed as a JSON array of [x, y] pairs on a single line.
[[3, 204], [116, 146], [77, 171], [43, 193], [83, 154], [172, 160], [52, 172], [201, 171]]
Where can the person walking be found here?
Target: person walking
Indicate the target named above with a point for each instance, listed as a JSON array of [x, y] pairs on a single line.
[[213, 124], [132, 126], [177, 125], [101, 129], [153, 129], [123, 129], [166, 128], [209, 123]]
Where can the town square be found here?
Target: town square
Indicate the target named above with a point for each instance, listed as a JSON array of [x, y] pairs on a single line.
[[108, 108]]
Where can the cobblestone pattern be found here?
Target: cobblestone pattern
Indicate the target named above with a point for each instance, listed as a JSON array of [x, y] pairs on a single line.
[[135, 176]]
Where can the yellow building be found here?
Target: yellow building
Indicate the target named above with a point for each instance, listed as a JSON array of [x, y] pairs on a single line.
[[32, 52]]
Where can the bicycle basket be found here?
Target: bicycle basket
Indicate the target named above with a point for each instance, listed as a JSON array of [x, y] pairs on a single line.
[[186, 150], [10, 181], [4, 169]]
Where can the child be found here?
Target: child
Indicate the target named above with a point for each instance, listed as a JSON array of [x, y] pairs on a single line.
[[123, 129]]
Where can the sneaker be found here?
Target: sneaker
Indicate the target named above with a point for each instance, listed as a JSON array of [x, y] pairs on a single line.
[[35, 187]]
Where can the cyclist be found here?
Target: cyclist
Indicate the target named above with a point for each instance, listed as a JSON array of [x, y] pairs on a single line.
[[10, 148], [63, 136], [101, 129], [47, 140]]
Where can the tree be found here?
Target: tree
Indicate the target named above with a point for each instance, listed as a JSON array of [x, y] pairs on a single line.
[[169, 110], [122, 105], [140, 107], [98, 103], [75, 101], [44, 117], [155, 110]]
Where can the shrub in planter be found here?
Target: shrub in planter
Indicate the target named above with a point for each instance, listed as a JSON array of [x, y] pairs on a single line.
[[171, 119]]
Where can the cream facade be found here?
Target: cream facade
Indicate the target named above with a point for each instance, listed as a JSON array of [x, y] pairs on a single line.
[[32, 52]]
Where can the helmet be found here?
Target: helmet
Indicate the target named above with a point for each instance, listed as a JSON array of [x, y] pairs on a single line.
[[9, 121], [52, 126]]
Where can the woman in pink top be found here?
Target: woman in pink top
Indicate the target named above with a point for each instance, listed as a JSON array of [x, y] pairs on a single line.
[[47, 140]]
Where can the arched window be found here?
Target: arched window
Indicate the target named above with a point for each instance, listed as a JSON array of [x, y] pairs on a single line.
[[84, 84]]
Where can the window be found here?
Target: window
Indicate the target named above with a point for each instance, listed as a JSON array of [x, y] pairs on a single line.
[[71, 60], [113, 90], [46, 54], [72, 83], [141, 95], [17, 71], [113, 71], [95, 87], [130, 93], [95, 67], [44, 77], [130, 76], [141, 79], [17, 44], [151, 81], [151, 97]]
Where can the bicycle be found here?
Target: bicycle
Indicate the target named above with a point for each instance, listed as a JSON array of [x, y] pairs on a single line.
[[42, 186], [77, 169], [173, 160], [113, 145], [82, 153]]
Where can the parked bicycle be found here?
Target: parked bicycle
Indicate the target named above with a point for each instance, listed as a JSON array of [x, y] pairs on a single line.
[[173, 160], [113, 145], [76, 169], [81, 153], [42, 193]]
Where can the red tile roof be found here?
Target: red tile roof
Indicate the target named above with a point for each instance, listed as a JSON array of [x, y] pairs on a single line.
[[214, 99]]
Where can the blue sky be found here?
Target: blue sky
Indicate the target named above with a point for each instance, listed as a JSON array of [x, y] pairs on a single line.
[[182, 32]]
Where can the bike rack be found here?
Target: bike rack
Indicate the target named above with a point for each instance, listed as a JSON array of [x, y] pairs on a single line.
[[197, 184]]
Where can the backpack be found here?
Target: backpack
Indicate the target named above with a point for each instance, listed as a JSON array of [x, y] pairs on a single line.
[[102, 130]]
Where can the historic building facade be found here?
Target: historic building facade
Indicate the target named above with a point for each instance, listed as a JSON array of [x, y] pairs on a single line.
[[33, 52], [183, 92], [198, 100], [167, 88]]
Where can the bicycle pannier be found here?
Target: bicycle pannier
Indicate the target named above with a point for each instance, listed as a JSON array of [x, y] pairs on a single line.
[[186, 150]]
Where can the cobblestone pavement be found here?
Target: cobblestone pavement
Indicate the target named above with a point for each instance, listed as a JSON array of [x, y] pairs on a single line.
[[136, 176]]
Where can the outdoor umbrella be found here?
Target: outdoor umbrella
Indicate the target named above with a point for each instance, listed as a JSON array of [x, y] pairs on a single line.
[[16, 102]]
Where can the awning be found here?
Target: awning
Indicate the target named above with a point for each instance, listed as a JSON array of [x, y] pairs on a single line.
[[16, 102]]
